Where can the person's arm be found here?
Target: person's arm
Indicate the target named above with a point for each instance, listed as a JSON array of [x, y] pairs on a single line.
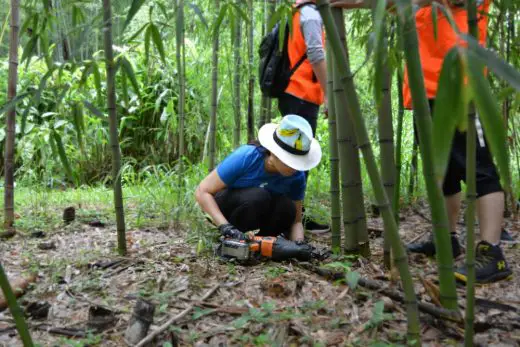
[[204, 194], [312, 30], [297, 227], [320, 70]]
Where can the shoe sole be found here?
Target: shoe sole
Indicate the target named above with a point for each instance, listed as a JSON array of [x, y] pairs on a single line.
[[493, 279]]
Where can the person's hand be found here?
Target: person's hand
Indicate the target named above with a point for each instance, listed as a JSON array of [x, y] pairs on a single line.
[[231, 232], [326, 108], [346, 3]]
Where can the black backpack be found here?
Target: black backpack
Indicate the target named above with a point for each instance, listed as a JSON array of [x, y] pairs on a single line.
[[275, 68]]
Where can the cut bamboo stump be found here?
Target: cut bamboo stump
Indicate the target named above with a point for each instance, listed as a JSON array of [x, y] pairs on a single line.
[[142, 318]]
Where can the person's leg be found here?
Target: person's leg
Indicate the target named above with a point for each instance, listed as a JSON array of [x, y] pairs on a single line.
[[245, 208], [453, 203], [280, 218], [451, 189], [490, 263], [491, 216]]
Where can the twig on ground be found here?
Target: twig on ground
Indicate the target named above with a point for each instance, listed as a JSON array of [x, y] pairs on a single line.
[[165, 326], [420, 236], [61, 331], [433, 310]]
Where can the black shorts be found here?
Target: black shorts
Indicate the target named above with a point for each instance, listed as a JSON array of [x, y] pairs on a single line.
[[488, 180]]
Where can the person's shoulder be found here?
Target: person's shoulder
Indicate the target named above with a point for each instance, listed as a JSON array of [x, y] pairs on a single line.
[[310, 12], [249, 151]]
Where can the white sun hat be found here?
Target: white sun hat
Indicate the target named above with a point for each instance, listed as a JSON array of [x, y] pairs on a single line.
[[292, 142]]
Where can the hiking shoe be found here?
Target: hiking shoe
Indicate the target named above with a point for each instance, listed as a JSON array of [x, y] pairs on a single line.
[[505, 236], [428, 247], [490, 265], [314, 227]]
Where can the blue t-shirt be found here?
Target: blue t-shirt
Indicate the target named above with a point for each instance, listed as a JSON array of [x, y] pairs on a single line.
[[244, 168]]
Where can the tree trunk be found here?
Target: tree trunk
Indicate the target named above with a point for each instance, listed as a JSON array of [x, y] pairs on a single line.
[[400, 257], [335, 211], [214, 96], [237, 44], [424, 126], [251, 87], [11, 121], [113, 122]]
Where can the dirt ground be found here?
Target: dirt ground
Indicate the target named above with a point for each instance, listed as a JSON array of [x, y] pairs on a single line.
[[270, 304]]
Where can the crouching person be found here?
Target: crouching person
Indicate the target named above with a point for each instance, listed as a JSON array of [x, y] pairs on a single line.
[[262, 185]]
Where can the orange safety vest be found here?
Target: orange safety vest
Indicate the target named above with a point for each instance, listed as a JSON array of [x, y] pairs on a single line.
[[432, 51], [302, 84]]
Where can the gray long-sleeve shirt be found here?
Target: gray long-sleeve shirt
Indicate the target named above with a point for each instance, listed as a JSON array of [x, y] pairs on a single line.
[[311, 26]]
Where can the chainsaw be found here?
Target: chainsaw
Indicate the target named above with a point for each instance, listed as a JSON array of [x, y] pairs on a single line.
[[268, 247]]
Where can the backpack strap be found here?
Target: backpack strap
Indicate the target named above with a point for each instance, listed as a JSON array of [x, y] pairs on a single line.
[[297, 65]]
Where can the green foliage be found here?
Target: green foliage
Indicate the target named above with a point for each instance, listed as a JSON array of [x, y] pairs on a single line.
[[378, 316]]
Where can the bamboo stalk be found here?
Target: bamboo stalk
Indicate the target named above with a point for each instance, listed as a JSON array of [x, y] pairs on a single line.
[[11, 121], [398, 151], [21, 325], [113, 123], [401, 259], [237, 35], [251, 86], [442, 238], [214, 96], [354, 221], [181, 72], [335, 211], [386, 135], [471, 197]]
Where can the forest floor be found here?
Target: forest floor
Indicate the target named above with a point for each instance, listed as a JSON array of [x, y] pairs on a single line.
[[267, 304]]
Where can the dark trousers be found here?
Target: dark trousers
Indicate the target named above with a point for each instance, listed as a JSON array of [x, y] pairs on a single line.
[[289, 104], [488, 180], [256, 208]]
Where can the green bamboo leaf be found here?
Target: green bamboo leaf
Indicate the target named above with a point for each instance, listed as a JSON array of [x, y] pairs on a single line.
[[157, 40], [490, 116], [434, 18], [218, 21], [95, 111], [41, 86], [504, 70], [77, 16], [147, 38], [13, 102], [97, 80], [199, 14], [450, 108], [134, 8], [238, 11], [129, 72], [138, 32], [62, 154], [275, 18], [29, 49], [353, 279]]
